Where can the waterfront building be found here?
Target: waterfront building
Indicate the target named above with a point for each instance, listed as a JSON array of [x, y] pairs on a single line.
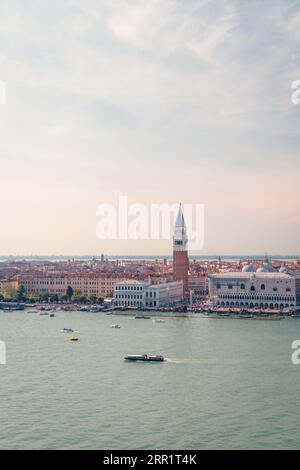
[[198, 285], [263, 289], [144, 294], [8, 288], [180, 252], [91, 285]]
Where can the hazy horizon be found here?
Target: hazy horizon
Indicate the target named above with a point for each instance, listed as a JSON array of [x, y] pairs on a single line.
[[271, 256]]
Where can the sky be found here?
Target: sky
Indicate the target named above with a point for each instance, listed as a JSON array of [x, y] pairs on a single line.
[[160, 101]]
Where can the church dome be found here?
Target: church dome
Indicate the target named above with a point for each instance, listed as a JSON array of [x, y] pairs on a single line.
[[283, 269], [269, 267], [266, 267], [248, 268], [263, 269]]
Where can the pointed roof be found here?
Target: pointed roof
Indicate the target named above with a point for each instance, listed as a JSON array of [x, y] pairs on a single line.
[[180, 223], [180, 233]]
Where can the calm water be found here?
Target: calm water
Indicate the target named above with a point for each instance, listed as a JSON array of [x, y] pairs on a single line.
[[227, 384]]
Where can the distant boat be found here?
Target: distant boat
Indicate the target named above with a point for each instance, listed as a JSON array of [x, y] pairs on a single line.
[[115, 326], [159, 321], [95, 309], [44, 313], [74, 338], [51, 315], [67, 330], [31, 311], [145, 358], [141, 317]]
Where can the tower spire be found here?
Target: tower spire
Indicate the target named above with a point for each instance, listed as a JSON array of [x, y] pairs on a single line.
[[180, 234], [180, 252]]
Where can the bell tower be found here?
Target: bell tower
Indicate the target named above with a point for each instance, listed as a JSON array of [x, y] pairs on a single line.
[[180, 252]]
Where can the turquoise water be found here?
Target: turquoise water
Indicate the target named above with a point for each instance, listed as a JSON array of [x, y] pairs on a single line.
[[227, 384]]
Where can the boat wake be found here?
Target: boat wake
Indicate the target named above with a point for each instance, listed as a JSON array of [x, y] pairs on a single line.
[[175, 360]]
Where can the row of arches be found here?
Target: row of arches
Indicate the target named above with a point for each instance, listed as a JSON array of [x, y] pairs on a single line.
[[252, 288], [260, 298], [262, 305], [127, 303]]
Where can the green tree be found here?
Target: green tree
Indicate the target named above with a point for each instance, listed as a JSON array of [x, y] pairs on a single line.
[[69, 292], [21, 292], [32, 298], [78, 297], [44, 297], [53, 298]]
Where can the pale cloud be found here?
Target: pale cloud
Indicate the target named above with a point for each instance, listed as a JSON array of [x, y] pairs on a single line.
[[293, 24], [128, 19], [205, 43], [170, 26]]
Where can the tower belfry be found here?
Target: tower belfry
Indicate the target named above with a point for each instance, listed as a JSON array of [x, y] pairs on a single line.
[[180, 239], [180, 251]]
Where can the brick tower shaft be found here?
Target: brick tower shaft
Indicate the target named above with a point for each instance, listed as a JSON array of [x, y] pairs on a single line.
[[181, 268], [180, 252]]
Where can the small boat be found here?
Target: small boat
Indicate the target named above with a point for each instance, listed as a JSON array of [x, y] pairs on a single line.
[[74, 338], [145, 358], [44, 313], [31, 311], [67, 330], [51, 315], [95, 309], [159, 321], [115, 326], [141, 317]]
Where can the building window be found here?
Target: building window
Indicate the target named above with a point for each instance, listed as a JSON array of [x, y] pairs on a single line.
[[229, 286], [218, 286], [263, 287], [252, 288], [243, 286], [275, 289]]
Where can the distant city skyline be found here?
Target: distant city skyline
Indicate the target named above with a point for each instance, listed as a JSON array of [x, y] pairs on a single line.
[[273, 257], [161, 100]]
